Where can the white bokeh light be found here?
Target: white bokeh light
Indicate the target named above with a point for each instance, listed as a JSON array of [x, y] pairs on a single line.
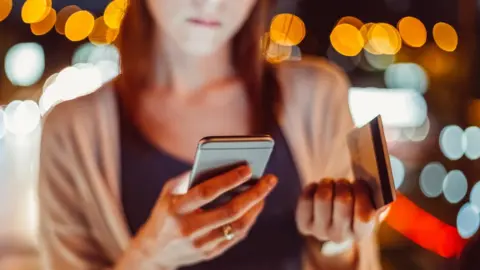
[[398, 171], [2, 123], [468, 220], [399, 108], [406, 76], [475, 195], [455, 186], [25, 64], [72, 82], [419, 133], [452, 142], [471, 138], [431, 179], [22, 117]]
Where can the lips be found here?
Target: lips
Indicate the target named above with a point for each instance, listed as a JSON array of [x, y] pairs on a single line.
[[205, 22]]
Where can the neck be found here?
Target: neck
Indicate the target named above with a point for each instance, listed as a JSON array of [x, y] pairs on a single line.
[[184, 73]]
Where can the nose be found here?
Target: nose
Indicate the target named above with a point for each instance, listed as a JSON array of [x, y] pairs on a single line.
[[207, 5]]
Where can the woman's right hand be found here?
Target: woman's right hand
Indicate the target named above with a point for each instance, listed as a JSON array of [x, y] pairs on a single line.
[[180, 233]]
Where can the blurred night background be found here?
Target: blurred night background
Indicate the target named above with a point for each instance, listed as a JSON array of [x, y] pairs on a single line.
[[413, 61]]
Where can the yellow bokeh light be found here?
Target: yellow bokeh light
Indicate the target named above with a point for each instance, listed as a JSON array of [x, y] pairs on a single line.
[[114, 13], [364, 31], [412, 31], [102, 34], [44, 26], [287, 29], [445, 36], [79, 25], [277, 53], [35, 10], [347, 40], [352, 21], [62, 17], [5, 9], [384, 39]]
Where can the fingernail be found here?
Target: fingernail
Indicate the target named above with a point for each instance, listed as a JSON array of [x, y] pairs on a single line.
[[272, 180], [244, 171]]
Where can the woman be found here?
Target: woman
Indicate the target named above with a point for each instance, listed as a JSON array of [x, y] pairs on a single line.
[[113, 162]]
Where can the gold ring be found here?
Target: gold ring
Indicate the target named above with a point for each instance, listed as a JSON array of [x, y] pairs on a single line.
[[228, 232]]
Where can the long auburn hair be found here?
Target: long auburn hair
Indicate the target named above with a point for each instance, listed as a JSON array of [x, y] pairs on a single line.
[[136, 47]]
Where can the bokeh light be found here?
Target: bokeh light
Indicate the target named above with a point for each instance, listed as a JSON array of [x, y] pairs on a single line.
[[25, 64], [475, 195], [455, 186], [5, 9], [44, 26], [22, 117], [352, 21], [468, 220], [472, 142], [35, 10], [384, 38], [364, 31], [431, 179], [412, 31], [445, 36], [452, 142], [379, 61], [102, 34], [407, 76], [70, 83], [347, 40], [287, 29], [398, 171], [277, 53], [399, 108], [2, 123], [418, 134], [296, 54], [62, 17], [114, 13], [79, 25]]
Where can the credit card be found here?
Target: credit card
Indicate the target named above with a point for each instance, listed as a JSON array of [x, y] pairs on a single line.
[[371, 161]]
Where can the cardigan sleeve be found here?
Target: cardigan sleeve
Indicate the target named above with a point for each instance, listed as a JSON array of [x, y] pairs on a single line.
[[318, 120], [65, 239]]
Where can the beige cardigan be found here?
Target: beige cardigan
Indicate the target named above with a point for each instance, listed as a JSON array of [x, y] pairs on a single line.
[[82, 225]]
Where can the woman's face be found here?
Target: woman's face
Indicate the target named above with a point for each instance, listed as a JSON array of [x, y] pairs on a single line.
[[200, 27]]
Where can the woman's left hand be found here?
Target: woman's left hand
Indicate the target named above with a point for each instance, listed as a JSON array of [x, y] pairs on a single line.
[[336, 210]]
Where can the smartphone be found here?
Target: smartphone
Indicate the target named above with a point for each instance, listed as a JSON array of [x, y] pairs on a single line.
[[218, 155]]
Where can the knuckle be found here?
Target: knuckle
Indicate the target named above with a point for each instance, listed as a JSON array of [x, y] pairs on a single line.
[[324, 193], [197, 244], [185, 228], [233, 209], [242, 224], [206, 191]]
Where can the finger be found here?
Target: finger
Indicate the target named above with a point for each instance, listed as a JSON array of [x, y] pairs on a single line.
[[304, 213], [364, 217], [323, 206], [340, 230], [177, 185], [221, 248], [209, 190], [197, 224], [239, 227]]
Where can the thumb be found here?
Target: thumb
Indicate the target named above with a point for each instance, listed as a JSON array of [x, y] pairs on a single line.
[[178, 185], [383, 213]]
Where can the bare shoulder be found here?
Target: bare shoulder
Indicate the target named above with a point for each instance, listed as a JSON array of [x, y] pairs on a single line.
[[313, 76]]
